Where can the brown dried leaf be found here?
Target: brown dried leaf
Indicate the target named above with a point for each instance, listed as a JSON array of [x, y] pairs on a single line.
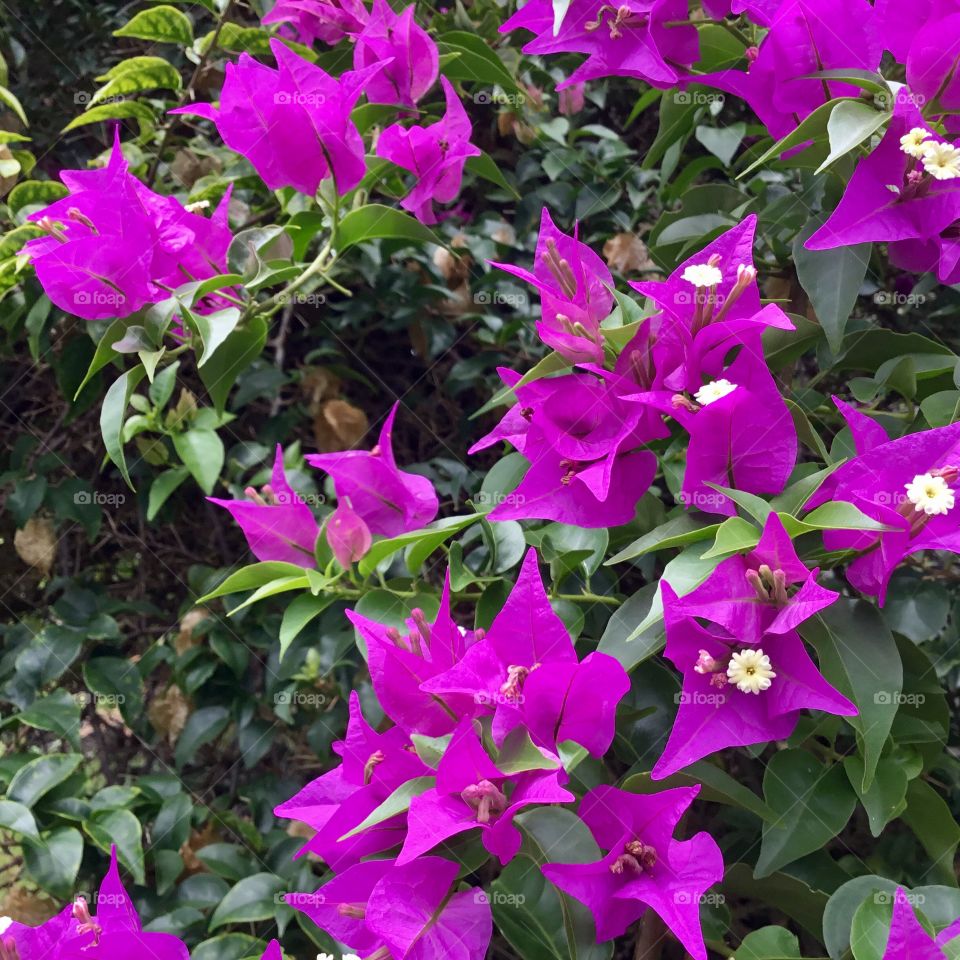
[[191, 620], [36, 544], [168, 712], [627, 253], [339, 425]]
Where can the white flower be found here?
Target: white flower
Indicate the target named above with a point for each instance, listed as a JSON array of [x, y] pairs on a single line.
[[702, 275], [750, 670], [4, 923], [912, 143], [941, 160], [930, 495], [715, 390]]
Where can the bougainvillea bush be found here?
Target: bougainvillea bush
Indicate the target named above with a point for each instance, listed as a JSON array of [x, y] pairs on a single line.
[[480, 481]]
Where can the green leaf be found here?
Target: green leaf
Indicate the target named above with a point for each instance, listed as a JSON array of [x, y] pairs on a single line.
[[884, 800], [8, 99], [38, 777], [118, 110], [520, 754], [618, 638], [112, 416], [722, 142], [122, 828], [203, 726], [18, 819], [155, 76], [58, 712], [677, 532], [116, 682], [850, 123], [859, 657], [781, 892], [214, 329], [813, 804], [299, 614], [768, 943], [163, 486], [252, 899], [842, 906], [162, 24], [202, 454], [551, 363], [475, 61], [397, 802], [54, 861], [237, 352], [831, 279], [836, 515], [251, 577], [933, 823], [757, 507], [375, 221], [733, 536], [486, 167], [425, 540], [35, 193]]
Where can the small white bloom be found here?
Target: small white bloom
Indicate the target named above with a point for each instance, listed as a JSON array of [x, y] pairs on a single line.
[[702, 275], [912, 143], [715, 390], [941, 160], [750, 670], [4, 923], [930, 495]]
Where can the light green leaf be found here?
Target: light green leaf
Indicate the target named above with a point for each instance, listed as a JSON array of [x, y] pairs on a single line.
[[849, 125], [162, 24], [202, 454], [375, 221], [397, 802]]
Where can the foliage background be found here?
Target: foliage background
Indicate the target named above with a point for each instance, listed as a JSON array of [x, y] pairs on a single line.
[[174, 729]]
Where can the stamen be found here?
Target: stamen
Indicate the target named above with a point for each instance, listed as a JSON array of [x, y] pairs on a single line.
[[86, 923], [513, 687], [486, 798], [8, 949], [356, 911], [373, 761]]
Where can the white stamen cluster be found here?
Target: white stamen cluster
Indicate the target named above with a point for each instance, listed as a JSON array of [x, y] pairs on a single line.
[[751, 671], [713, 391], [912, 142], [702, 275], [941, 160], [930, 495]]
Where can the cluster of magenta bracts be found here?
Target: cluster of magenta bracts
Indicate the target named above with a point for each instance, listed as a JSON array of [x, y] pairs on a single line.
[[480, 720]]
